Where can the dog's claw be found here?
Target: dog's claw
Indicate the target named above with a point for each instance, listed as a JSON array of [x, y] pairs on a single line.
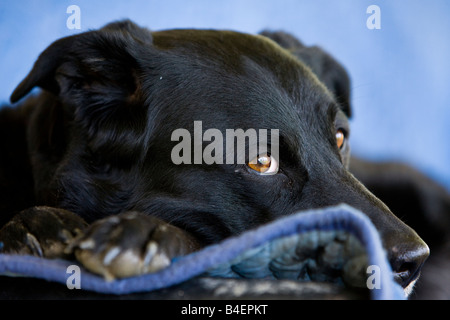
[[33, 245], [155, 260]]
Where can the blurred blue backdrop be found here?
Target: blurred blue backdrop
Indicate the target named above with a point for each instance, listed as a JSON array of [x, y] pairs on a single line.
[[400, 73]]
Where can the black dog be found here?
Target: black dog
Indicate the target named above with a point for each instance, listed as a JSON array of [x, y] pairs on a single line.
[[97, 143]]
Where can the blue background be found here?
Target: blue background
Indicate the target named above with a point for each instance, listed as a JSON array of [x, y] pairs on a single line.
[[400, 73]]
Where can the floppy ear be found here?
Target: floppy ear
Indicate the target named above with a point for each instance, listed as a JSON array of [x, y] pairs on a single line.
[[332, 74], [95, 77], [87, 59], [43, 72]]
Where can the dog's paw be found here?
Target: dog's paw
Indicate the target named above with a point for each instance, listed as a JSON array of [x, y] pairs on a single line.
[[130, 244], [41, 231]]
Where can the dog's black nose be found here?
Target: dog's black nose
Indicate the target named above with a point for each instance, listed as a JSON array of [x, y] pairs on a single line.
[[407, 259]]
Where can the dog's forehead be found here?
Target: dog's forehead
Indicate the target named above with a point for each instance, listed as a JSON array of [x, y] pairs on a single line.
[[231, 79], [231, 52]]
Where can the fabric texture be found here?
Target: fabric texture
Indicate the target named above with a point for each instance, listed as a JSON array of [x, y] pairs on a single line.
[[287, 248]]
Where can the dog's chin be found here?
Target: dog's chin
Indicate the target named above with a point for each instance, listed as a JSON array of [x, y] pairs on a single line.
[[409, 288]]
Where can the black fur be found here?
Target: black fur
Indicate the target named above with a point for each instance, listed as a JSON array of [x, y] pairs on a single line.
[[97, 141]]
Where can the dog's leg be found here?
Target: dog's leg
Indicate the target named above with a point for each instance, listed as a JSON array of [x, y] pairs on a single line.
[[41, 231], [130, 244], [119, 246]]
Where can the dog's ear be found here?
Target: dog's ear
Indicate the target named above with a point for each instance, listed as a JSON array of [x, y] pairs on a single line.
[[95, 77], [88, 61], [332, 74]]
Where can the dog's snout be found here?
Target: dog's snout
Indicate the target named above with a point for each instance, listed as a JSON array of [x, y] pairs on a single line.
[[406, 251], [407, 259]]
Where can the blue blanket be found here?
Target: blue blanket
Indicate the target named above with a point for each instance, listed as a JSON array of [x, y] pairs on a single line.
[[350, 250]]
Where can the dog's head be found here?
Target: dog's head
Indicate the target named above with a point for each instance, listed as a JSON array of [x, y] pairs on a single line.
[[134, 120]]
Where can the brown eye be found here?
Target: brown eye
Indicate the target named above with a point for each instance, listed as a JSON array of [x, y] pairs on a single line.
[[340, 138], [264, 164]]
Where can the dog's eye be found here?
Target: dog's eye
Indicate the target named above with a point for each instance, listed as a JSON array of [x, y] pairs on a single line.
[[340, 138], [264, 164]]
